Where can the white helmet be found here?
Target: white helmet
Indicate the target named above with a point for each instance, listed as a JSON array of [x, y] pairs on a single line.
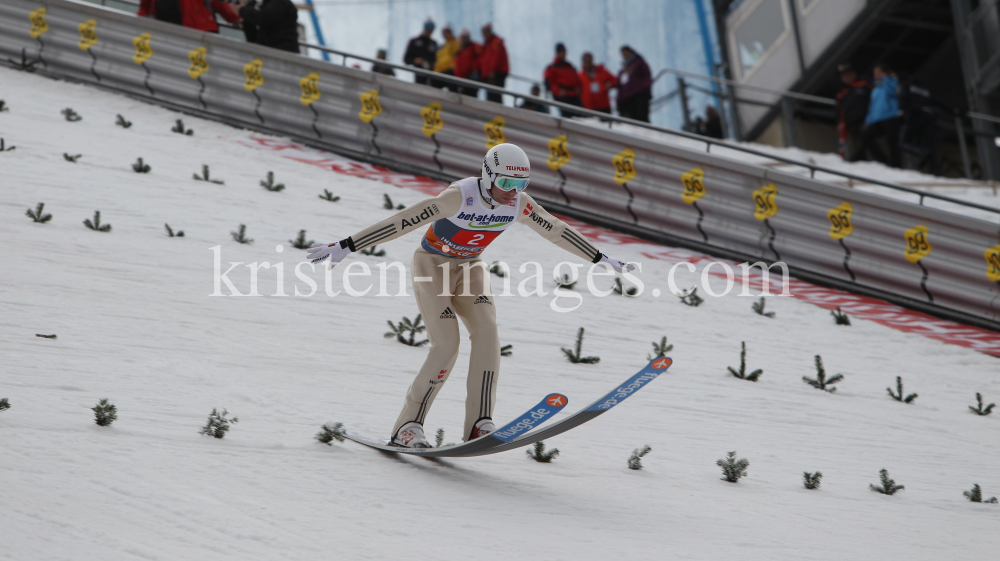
[[507, 167]]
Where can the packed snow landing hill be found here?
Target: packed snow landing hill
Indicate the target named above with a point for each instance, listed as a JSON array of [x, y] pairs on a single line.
[[128, 316]]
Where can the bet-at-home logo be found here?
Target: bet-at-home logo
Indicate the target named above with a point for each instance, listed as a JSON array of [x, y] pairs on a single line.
[[485, 220]]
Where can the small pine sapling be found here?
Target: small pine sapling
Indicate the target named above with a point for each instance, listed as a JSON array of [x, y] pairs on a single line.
[[123, 122], [105, 413], [406, 326], [25, 64], [301, 242], [140, 167], [439, 438], [888, 486], [270, 185], [758, 307], [565, 282], [71, 115], [38, 214], [975, 494], [73, 159], [574, 355], [733, 469], [43, 336], [899, 389], [499, 270], [821, 382], [742, 372], [218, 424], [179, 129], [634, 461], [328, 196], [329, 433], [506, 350], [539, 454], [206, 177], [840, 318], [240, 236], [622, 291], [4, 404], [979, 409], [3, 106], [373, 251], [387, 203], [661, 349], [171, 233], [96, 224], [4, 147], [690, 297], [811, 480]]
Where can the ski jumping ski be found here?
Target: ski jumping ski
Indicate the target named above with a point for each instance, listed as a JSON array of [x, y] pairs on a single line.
[[511, 436]]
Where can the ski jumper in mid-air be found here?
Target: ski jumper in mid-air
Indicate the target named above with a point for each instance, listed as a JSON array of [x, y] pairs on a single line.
[[450, 280]]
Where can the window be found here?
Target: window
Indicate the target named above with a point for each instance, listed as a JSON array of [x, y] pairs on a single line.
[[757, 33]]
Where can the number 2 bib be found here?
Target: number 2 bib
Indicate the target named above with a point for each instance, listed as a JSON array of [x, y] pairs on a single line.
[[467, 233]]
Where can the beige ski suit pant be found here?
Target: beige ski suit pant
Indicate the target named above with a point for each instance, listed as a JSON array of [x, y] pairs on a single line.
[[447, 289]]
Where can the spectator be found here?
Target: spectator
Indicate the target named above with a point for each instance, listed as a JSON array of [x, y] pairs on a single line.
[[852, 108], [445, 61], [493, 67], [421, 51], [195, 14], [635, 85], [919, 135], [562, 80], [275, 21], [883, 120], [467, 62], [595, 82], [530, 105], [381, 68], [712, 125]]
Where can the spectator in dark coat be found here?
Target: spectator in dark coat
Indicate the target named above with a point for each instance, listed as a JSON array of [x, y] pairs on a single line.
[[635, 86], [421, 51], [493, 65], [919, 135], [852, 108], [595, 82], [467, 62], [381, 68], [530, 105], [884, 118], [712, 126], [276, 22], [195, 14], [562, 80]]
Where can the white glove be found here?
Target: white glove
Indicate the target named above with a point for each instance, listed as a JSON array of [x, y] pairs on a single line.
[[336, 251], [617, 264]]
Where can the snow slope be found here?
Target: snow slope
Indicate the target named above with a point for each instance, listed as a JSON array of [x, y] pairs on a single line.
[[136, 324]]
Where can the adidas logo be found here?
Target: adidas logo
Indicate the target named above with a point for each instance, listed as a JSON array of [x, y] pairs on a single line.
[[448, 314], [483, 300]]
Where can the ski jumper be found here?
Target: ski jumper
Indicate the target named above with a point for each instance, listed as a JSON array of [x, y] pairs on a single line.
[[451, 282]]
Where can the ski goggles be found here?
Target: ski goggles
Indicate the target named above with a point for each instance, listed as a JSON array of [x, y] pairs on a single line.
[[508, 183]]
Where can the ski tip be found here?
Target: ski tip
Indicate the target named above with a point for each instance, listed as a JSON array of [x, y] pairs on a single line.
[[661, 363]]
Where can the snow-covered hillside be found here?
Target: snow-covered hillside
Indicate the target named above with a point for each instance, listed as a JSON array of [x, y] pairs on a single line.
[[135, 323]]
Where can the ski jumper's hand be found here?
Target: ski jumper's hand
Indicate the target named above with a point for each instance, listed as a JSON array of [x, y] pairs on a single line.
[[617, 264], [336, 251]]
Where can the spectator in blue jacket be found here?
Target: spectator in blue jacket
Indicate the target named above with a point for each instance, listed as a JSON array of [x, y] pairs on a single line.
[[884, 119]]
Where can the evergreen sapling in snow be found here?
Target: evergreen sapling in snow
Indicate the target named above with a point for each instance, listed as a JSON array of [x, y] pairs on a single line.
[[661, 349], [4, 147], [301, 242], [742, 372], [179, 129], [499, 270], [811, 480], [171, 233], [206, 177], [840, 318], [821, 382], [565, 282], [976, 495], [888, 486], [270, 185], [218, 424], [539, 454], [4, 404], [758, 307], [96, 224], [71, 115], [71, 159], [387, 203], [105, 413], [3, 106], [979, 409], [241, 235], [622, 291], [38, 214], [43, 336], [733, 469], [506, 350], [574, 355], [899, 389], [373, 251], [439, 438], [405, 326], [634, 461], [140, 167], [329, 433], [690, 297], [123, 123], [328, 196]]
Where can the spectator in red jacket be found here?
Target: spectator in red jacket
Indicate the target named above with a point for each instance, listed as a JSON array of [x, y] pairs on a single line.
[[562, 80], [635, 86], [467, 62], [493, 66], [193, 13], [595, 81]]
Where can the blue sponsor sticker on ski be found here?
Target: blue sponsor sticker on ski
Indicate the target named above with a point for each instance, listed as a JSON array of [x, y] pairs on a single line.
[[552, 404], [646, 375]]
